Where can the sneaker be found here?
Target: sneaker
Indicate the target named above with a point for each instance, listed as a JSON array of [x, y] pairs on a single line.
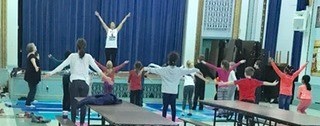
[[30, 106], [189, 114], [35, 101]]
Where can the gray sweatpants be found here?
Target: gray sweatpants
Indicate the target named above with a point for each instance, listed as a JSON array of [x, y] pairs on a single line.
[[187, 95], [225, 93]]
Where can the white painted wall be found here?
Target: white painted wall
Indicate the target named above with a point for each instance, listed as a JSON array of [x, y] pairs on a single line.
[[243, 19], [190, 31], [285, 33], [255, 27], [258, 20], [12, 33]]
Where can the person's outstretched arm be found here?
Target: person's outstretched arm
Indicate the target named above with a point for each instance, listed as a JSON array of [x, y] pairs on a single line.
[[104, 77], [122, 22], [237, 64], [269, 83], [295, 74], [225, 83], [199, 75], [55, 60], [103, 68], [275, 68], [60, 67], [210, 65], [104, 25], [117, 68]]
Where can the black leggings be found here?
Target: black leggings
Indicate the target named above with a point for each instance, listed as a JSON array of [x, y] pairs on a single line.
[[78, 88], [135, 97], [66, 93], [111, 54], [198, 94], [169, 99], [32, 92]]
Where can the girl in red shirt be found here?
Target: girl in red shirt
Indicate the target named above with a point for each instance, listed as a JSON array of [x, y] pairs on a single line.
[[286, 82], [134, 84], [304, 94]]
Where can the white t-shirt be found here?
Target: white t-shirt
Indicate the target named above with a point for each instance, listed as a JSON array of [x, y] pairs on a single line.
[[79, 68], [189, 79], [232, 76], [170, 77], [112, 38]]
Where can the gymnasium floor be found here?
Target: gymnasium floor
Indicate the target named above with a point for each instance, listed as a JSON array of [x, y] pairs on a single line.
[[48, 109]]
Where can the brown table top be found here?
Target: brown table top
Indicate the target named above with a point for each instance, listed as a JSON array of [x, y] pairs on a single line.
[[129, 114], [274, 114]]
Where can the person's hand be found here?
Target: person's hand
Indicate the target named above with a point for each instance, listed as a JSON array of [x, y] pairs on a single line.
[[47, 75], [204, 62], [106, 79], [49, 56], [220, 83], [96, 13], [37, 69], [275, 82], [126, 62], [242, 61], [270, 59], [128, 15]]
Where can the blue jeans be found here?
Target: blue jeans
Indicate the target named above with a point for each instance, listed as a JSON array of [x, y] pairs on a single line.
[[284, 101]]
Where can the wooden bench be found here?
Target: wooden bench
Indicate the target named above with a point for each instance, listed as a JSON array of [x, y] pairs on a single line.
[[194, 122], [64, 122]]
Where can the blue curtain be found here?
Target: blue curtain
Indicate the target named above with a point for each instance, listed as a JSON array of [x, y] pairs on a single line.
[[297, 39], [154, 29], [274, 9]]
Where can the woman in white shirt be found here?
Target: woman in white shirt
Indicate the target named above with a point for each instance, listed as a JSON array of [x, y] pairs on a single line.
[[79, 66], [111, 47]]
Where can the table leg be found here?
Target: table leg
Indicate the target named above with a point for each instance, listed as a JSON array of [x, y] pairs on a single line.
[[103, 121], [88, 116], [258, 121], [269, 122], [235, 118], [215, 116]]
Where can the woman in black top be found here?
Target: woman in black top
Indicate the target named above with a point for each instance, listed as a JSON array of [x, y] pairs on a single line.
[[33, 73]]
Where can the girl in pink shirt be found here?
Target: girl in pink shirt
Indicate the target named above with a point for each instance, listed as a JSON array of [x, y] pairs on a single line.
[[304, 94], [223, 73], [110, 71]]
